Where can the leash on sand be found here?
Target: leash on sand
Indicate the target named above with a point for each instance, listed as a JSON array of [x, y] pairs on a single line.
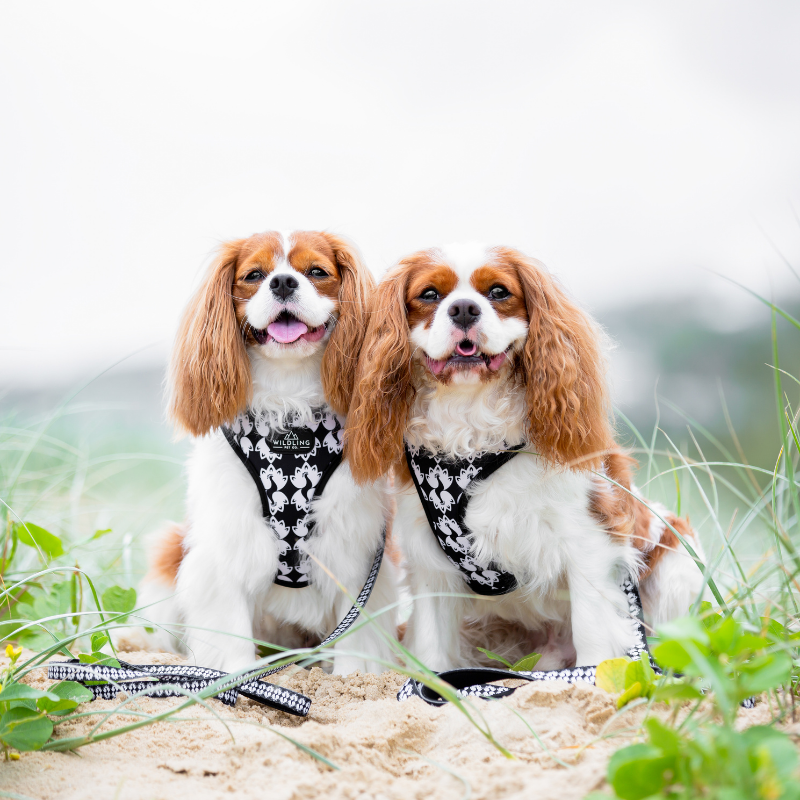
[[162, 680], [477, 681]]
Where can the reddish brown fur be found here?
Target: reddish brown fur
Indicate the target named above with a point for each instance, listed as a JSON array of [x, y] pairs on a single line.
[[669, 541], [439, 277], [383, 391], [484, 278], [562, 370], [623, 515], [210, 371], [613, 507], [167, 554], [341, 355]]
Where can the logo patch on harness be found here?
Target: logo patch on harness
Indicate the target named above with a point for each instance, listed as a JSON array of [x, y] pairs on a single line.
[[290, 442]]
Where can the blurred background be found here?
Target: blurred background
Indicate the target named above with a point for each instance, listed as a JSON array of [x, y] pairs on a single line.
[[648, 153]]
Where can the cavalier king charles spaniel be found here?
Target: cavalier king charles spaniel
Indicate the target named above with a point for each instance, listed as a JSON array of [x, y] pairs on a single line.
[[262, 375], [471, 354]]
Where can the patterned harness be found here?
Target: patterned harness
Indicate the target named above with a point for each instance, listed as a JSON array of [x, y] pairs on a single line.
[[290, 468], [442, 488]]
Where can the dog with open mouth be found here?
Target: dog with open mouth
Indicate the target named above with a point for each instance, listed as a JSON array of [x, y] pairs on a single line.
[[261, 375], [482, 385]]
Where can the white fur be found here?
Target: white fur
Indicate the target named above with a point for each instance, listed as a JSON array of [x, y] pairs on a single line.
[[675, 582], [224, 594], [464, 419], [529, 517], [464, 257]]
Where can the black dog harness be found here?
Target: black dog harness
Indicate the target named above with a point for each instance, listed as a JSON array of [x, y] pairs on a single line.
[[290, 467], [442, 488]]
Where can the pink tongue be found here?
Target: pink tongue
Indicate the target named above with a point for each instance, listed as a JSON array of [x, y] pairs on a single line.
[[287, 330], [436, 366], [466, 348], [495, 362]]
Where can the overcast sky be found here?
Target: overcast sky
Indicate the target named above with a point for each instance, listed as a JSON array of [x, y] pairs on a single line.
[[634, 147]]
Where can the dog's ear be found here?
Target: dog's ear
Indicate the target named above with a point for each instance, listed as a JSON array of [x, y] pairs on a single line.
[[209, 374], [562, 367], [383, 390], [341, 354]]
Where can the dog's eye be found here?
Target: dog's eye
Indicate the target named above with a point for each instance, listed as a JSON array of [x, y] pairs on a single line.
[[429, 294], [254, 276], [498, 292], [317, 272]]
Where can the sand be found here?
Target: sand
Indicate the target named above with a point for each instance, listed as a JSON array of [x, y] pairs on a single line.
[[384, 749]]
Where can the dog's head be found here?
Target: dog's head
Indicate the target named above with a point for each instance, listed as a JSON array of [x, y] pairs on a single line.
[[465, 315], [280, 296]]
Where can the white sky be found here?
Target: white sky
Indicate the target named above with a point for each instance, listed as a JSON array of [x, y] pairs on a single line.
[[631, 146]]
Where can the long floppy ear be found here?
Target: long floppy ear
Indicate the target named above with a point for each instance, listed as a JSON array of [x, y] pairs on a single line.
[[341, 355], [209, 374], [562, 367], [383, 390]]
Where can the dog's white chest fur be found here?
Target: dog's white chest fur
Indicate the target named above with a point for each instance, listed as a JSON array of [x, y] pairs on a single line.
[[520, 516]]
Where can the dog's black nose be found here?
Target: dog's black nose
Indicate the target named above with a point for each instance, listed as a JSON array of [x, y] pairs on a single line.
[[464, 313], [283, 285]]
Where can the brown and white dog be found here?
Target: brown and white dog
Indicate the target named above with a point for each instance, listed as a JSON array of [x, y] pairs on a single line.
[[275, 328], [473, 349]]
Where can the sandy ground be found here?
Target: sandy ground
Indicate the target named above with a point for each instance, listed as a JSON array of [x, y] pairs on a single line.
[[384, 749]]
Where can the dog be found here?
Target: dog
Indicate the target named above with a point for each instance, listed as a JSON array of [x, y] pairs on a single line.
[[472, 351], [261, 375]]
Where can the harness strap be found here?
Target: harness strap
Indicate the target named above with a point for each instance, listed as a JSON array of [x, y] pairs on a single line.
[[155, 679], [445, 512]]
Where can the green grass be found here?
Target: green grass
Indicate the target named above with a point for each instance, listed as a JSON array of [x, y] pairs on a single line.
[[79, 495]]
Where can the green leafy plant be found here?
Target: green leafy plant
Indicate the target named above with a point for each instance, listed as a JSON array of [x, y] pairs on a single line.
[[48, 545], [119, 600], [717, 762], [25, 712], [525, 664], [706, 756], [720, 654], [632, 679], [98, 640]]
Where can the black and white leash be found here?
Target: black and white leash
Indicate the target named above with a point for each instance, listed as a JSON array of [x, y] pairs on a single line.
[[477, 681], [158, 679]]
